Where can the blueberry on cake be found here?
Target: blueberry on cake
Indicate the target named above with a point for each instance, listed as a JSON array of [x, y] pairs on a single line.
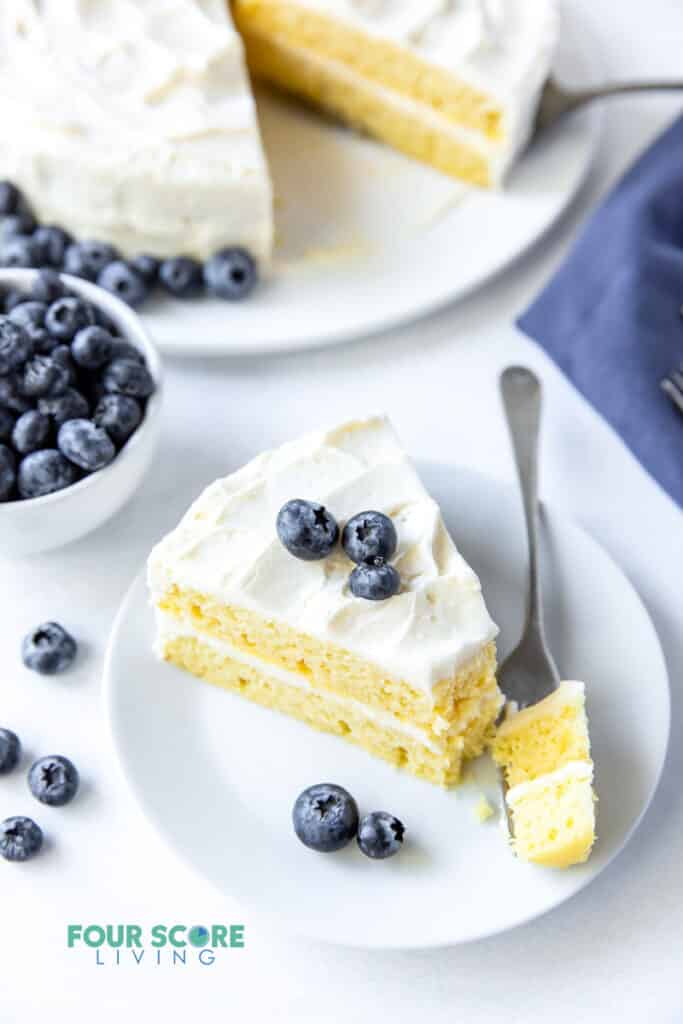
[[544, 751], [454, 83], [320, 580]]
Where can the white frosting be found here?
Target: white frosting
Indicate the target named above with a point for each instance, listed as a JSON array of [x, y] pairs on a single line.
[[573, 771], [133, 121], [226, 546], [168, 629], [504, 48]]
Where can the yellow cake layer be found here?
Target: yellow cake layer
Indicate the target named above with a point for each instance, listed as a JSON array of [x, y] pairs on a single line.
[[379, 61], [553, 817], [328, 667], [542, 738], [339, 90], [327, 713]]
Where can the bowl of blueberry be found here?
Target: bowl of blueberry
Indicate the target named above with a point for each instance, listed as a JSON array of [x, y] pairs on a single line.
[[80, 398]]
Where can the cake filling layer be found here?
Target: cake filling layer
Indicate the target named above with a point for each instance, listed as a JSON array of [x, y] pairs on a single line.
[[169, 630], [379, 733], [414, 129]]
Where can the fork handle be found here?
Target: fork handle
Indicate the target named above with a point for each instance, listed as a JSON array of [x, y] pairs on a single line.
[[521, 392], [579, 97]]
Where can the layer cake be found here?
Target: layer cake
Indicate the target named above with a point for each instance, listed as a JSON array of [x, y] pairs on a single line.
[[410, 679]]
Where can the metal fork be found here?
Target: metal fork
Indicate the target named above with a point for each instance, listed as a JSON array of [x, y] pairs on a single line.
[[673, 387], [556, 101], [529, 673]]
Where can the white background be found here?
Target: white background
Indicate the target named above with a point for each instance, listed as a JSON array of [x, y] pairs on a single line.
[[614, 951]]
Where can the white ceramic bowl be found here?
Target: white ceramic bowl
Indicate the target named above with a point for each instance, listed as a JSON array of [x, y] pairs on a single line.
[[40, 524]]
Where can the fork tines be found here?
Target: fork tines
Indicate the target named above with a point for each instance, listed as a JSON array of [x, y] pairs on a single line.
[[673, 387]]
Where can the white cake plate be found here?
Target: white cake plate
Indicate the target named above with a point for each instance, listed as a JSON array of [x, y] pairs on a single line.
[[227, 813]]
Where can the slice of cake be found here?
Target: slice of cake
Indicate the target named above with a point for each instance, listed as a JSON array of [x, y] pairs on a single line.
[[544, 752], [408, 675], [454, 83], [134, 123]]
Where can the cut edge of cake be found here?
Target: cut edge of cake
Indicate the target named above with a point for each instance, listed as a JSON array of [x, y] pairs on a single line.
[[424, 102]]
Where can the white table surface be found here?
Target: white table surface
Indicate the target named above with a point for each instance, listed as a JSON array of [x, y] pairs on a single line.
[[613, 953]]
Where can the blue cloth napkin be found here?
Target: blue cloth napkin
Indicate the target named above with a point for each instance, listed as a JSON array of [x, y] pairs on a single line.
[[611, 318]]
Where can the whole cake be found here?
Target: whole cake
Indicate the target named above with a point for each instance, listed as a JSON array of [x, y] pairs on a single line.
[[132, 122], [406, 671], [454, 83], [544, 752]]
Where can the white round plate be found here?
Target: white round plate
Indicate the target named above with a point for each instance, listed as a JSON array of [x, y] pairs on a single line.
[[367, 238], [228, 812]]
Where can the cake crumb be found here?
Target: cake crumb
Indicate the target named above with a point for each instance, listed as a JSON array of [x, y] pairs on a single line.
[[483, 810]]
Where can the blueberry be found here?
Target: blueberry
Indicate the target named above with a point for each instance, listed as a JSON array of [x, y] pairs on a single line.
[[85, 444], [48, 649], [230, 274], [374, 581], [8, 474], [181, 276], [307, 529], [20, 251], [47, 287], [119, 415], [12, 298], [380, 835], [31, 432], [44, 472], [11, 396], [20, 839], [17, 224], [61, 354], [127, 377], [325, 817], [29, 314], [88, 259], [43, 342], [15, 345], [7, 421], [10, 198], [53, 780], [369, 535], [67, 316], [124, 350], [147, 267], [72, 405], [122, 280], [43, 376], [92, 347], [53, 242], [10, 751]]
